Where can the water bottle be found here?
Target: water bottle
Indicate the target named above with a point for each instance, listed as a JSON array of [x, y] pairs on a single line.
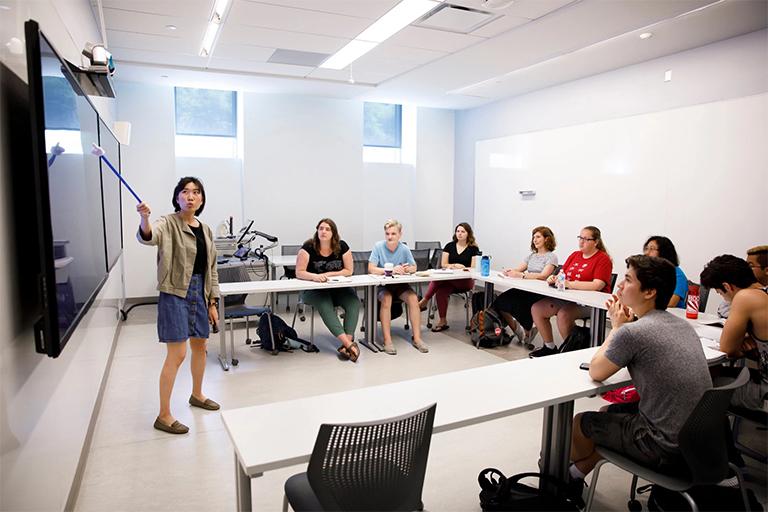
[[560, 281], [692, 304], [485, 266]]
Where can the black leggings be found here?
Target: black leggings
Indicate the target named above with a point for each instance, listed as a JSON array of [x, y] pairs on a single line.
[[518, 304]]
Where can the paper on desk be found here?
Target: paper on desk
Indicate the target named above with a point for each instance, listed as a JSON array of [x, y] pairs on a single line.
[[339, 279], [442, 271], [710, 343]]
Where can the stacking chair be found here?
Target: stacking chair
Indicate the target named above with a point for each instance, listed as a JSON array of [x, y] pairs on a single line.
[[289, 272], [366, 466], [235, 306], [703, 446]]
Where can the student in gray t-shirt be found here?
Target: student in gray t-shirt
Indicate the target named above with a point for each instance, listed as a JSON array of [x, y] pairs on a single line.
[[665, 359]]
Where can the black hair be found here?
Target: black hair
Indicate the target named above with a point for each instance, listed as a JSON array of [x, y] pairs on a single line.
[[183, 182], [727, 269], [666, 248], [654, 274]]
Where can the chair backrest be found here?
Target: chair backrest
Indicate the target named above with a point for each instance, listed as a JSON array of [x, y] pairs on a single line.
[[703, 295], [614, 276], [702, 439], [360, 262], [289, 250], [234, 274], [372, 466], [421, 256], [428, 245], [434, 260]]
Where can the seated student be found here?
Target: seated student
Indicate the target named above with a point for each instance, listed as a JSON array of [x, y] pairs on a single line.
[[746, 331], [391, 250], [589, 268], [757, 257], [458, 254], [514, 305], [662, 247], [322, 256], [666, 362]]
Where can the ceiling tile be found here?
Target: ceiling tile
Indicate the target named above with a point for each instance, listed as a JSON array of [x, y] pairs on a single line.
[[138, 41], [437, 40], [297, 20], [256, 36], [370, 9], [242, 51], [178, 8], [240, 65], [132, 21]]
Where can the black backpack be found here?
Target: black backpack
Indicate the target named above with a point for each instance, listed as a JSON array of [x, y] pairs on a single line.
[[498, 492], [577, 340], [486, 329], [282, 334], [707, 497]]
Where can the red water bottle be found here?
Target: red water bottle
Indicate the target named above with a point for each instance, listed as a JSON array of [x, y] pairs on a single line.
[[692, 304]]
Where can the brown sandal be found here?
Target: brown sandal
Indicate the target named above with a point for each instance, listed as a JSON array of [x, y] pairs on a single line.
[[353, 355], [343, 353]]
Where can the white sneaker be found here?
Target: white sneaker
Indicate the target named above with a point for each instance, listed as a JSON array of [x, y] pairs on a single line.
[[519, 333]]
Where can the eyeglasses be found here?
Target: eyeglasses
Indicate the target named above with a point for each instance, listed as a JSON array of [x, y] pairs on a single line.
[[585, 239], [755, 265]]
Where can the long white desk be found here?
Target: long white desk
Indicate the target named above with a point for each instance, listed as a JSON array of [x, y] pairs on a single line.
[[257, 450], [594, 300]]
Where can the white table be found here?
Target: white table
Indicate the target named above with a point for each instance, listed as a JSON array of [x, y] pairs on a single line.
[[594, 300], [368, 282], [257, 450]]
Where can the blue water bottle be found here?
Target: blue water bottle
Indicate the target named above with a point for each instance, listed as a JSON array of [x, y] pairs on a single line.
[[485, 266]]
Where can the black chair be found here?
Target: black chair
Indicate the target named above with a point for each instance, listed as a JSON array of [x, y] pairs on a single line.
[[366, 466], [289, 272], [428, 245], [759, 419], [235, 306], [703, 295], [703, 445]]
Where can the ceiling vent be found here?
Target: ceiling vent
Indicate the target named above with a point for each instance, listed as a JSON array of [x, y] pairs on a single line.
[[456, 18], [297, 58]]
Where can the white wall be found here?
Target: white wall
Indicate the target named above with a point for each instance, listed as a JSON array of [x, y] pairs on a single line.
[[693, 174], [728, 69], [46, 405], [302, 161]]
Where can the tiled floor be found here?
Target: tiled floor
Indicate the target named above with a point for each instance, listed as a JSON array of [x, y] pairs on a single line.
[[133, 467]]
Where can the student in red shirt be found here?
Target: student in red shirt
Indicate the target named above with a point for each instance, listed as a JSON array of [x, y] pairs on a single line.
[[589, 268]]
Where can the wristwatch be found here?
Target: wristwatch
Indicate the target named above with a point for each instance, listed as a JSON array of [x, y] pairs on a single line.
[[214, 302]]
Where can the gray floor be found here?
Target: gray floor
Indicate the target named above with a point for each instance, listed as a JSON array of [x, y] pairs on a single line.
[[133, 467]]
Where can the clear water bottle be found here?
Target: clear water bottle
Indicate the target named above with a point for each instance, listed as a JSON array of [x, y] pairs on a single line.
[[485, 266], [560, 281]]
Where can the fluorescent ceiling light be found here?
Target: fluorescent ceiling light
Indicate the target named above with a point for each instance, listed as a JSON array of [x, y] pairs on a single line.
[[208, 38], [402, 15], [219, 7], [399, 17], [646, 35], [350, 53]]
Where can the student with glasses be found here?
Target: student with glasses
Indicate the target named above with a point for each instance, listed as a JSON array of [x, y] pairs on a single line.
[[662, 247], [589, 268], [757, 257]]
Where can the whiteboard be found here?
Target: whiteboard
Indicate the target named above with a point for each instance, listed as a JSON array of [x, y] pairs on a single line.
[[697, 175]]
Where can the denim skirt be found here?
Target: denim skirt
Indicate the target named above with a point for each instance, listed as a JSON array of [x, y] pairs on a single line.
[[179, 319]]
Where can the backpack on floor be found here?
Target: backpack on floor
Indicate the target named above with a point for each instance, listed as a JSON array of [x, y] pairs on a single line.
[[486, 329], [498, 492], [577, 340], [283, 333]]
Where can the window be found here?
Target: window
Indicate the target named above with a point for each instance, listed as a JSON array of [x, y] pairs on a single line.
[[382, 125], [206, 112], [206, 123], [59, 104]]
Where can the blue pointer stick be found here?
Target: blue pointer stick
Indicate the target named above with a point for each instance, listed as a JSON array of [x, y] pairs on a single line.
[[100, 153]]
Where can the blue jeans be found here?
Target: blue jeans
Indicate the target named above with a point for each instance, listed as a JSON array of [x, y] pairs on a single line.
[[179, 319]]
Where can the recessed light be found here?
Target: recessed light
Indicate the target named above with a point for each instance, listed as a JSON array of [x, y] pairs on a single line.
[[163, 76], [646, 35], [171, 27], [4, 8]]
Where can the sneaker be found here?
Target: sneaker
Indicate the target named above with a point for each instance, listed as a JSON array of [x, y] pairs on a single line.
[[421, 346], [519, 333], [574, 491], [543, 351]]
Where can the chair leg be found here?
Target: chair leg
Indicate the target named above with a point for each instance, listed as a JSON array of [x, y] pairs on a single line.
[[430, 313], [690, 501], [405, 311], [467, 308], [593, 484], [311, 326], [285, 503], [295, 312], [740, 478]]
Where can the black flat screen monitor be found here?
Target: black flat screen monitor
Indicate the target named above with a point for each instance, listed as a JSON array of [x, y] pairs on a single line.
[[70, 192]]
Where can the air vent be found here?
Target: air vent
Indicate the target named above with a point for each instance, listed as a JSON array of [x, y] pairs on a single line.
[[456, 18], [296, 58]]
